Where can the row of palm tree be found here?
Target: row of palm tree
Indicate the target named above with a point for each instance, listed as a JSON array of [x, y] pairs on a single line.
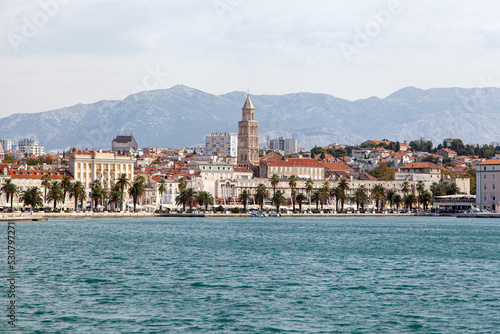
[[189, 197]]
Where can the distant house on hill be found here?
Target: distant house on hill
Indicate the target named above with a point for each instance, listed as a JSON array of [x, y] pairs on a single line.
[[447, 153], [124, 145]]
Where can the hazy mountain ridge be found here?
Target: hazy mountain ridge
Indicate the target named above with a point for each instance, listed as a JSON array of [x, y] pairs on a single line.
[[180, 116]]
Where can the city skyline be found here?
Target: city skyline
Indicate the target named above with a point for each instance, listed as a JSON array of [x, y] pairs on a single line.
[[61, 53]]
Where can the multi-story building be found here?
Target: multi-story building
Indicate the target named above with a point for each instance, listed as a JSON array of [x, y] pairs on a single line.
[[282, 144], [6, 145], [302, 168], [87, 166], [419, 171], [124, 145], [30, 146], [488, 185], [248, 136], [221, 144]]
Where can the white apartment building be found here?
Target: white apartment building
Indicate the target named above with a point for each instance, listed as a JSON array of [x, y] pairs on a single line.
[[30, 146], [488, 185], [6, 145], [221, 144], [282, 144]]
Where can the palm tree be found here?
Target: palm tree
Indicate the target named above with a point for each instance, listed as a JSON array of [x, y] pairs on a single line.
[[33, 197], [410, 200], [360, 197], [9, 189], [452, 189], [97, 192], [182, 184], [326, 187], [204, 198], [405, 188], [389, 194], [123, 182], [337, 194], [65, 186], [278, 200], [82, 196], [292, 182], [181, 199], [317, 197], [56, 193], [309, 189], [397, 201], [275, 181], [244, 196], [162, 188], [190, 197], [260, 195], [137, 189], [344, 186], [46, 181], [75, 190], [426, 199], [115, 197], [300, 198], [378, 194]]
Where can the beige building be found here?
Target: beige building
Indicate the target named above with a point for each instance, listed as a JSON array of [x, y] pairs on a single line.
[[248, 136], [87, 166], [488, 185], [302, 168]]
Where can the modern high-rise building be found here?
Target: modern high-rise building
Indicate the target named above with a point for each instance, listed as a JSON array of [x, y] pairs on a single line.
[[30, 146], [6, 145], [248, 136], [221, 144], [286, 145]]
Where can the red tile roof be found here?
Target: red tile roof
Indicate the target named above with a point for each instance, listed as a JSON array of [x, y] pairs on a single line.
[[420, 165], [491, 162]]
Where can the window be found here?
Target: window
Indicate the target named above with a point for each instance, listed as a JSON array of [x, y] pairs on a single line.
[[484, 176], [493, 186]]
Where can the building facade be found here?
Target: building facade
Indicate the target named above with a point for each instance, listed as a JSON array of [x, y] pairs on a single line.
[[221, 144], [248, 136], [488, 185], [86, 166], [30, 146], [6, 145], [286, 145], [124, 145]]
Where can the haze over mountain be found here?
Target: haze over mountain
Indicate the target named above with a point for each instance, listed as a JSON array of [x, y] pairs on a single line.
[[181, 116]]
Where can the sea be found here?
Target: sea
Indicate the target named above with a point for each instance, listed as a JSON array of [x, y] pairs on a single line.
[[255, 275]]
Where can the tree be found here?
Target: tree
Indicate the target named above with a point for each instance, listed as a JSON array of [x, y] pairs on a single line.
[[55, 193], [292, 182], [260, 195], [300, 198], [409, 201], [137, 189], [97, 192], [190, 198], [360, 197], [327, 188], [344, 186], [65, 186], [275, 181], [452, 189], [182, 184], [316, 197], [437, 190], [162, 188], [383, 172], [244, 197], [123, 182], [75, 191], [309, 189], [425, 198], [378, 194], [46, 182], [397, 201], [115, 197], [389, 194], [9, 189], [278, 200], [405, 188], [33, 197], [338, 195], [204, 198], [181, 199]]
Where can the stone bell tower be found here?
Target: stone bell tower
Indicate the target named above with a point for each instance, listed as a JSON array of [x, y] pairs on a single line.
[[248, 136]]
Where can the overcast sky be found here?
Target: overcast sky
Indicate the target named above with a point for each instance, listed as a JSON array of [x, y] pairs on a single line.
[[57, 53]]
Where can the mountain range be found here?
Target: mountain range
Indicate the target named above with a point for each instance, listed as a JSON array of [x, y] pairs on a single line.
[[181, 116]]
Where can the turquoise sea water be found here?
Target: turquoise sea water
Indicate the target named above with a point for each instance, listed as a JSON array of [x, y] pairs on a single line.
[[345, 275]]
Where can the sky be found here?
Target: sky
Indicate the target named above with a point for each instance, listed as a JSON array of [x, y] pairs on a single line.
[[58, 53]]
